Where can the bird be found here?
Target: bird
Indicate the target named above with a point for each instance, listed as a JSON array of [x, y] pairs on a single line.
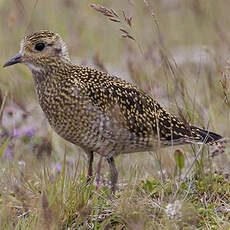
[[99, 112]]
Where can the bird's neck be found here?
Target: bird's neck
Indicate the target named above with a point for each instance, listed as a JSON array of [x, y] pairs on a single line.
[[56, 71]]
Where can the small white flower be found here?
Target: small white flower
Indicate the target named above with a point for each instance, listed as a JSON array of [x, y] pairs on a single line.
[[21, 163], [173, 210]]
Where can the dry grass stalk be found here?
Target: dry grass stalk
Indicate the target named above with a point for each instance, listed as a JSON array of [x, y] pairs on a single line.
[[225, 82], [128, 20], [112, 15], [47, 212], [2, 103]]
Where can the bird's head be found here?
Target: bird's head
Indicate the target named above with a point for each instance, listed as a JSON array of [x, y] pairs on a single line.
[[39, 50]]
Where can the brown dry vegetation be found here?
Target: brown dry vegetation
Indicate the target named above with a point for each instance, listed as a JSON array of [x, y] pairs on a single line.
[[176, 51]]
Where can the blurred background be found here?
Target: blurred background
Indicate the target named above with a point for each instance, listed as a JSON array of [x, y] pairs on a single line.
[[176, 51]]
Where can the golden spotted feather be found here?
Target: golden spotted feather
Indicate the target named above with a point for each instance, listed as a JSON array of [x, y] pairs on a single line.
[[138, 111]]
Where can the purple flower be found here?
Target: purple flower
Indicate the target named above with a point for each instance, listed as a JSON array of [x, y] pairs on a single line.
[[29, 132], [57, 166], [15, 133], [9, 152]]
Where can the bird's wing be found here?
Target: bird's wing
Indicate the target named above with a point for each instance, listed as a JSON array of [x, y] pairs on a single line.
[[133, 108]]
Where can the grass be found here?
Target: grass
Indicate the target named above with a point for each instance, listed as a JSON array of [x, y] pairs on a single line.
[[41, 199], [175, 51]]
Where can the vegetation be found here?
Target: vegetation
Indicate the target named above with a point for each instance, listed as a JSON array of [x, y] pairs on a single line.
[[174, 50]]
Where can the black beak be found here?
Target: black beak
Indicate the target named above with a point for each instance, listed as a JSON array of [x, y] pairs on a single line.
[[14, 60]]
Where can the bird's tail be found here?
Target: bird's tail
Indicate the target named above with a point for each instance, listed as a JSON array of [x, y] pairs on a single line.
[[205, 136]]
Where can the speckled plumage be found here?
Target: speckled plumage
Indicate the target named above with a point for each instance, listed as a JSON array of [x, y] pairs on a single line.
[[99, 112]]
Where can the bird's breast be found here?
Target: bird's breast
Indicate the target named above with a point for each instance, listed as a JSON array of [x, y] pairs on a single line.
[[75, 118]]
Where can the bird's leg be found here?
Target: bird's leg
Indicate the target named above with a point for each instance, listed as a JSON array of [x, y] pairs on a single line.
[[90, 166], [113, 174]]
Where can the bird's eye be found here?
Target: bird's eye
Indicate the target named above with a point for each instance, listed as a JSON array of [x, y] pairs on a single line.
[[39, 46]]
